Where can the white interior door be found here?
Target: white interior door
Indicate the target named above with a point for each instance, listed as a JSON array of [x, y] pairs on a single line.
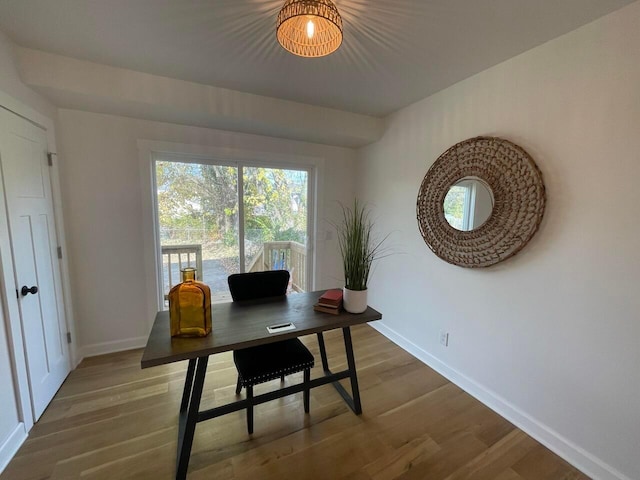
[[28, 199]]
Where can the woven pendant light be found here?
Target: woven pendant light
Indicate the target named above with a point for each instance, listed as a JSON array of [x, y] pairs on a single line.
[[309, 28]]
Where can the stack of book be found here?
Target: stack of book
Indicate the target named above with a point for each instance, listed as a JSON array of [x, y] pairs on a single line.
[[330, 302]]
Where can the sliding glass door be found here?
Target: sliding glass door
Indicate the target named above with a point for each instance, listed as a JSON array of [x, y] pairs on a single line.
[[232, 218]]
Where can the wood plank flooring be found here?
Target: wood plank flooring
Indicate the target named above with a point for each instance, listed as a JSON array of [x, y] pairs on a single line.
[[112, 420]]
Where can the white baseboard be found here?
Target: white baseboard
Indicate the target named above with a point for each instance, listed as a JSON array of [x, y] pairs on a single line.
[[572, 453], [112, 347], [9, 448]]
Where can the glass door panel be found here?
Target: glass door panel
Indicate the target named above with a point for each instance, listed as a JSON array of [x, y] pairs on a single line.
[[275, 222], [197, 208]]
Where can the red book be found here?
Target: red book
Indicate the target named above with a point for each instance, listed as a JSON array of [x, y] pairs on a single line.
[[331, 298]]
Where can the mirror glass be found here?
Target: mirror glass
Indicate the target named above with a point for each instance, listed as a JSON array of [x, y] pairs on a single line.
[[468, 203]]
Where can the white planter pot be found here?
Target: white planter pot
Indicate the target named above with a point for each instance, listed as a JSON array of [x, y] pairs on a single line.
[[354, 301]]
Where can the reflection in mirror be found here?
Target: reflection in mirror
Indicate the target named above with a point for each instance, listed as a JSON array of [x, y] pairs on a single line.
[[468, 203]]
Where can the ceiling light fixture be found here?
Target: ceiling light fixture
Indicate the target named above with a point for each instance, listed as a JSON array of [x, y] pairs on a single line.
[[309, 28]]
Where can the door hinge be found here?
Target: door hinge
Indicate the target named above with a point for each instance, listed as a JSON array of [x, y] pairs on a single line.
[[59, 252], [68, 337], [50, 158]]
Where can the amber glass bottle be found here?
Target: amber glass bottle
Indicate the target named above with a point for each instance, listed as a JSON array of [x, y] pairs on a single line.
[[190, 306]]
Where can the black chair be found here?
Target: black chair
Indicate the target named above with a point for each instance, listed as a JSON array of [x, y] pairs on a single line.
[[274, 360]]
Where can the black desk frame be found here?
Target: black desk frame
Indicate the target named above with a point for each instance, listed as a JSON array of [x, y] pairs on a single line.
[[190, 413]]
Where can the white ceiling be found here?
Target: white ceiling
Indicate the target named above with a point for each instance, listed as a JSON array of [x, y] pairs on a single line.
[[394, 51]]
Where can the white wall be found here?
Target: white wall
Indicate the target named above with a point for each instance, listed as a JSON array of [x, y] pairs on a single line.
[[12, 85], [81, 85], [550, 337], [108, 212]]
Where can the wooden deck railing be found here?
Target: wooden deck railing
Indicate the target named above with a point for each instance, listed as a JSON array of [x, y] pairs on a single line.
[[184, 256], [291, 256]]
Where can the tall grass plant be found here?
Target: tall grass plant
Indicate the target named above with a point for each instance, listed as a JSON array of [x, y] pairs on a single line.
[[358, 245]]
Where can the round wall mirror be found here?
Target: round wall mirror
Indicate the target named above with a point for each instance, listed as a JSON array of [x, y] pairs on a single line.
[[480, 202], [468, 204]]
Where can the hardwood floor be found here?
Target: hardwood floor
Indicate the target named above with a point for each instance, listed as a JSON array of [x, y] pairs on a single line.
[[112, 420]]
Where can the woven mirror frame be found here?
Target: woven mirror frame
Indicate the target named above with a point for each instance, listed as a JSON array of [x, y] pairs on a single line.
[[519, 201]]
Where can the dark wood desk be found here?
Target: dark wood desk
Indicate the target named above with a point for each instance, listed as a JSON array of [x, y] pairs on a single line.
[[240, 325]]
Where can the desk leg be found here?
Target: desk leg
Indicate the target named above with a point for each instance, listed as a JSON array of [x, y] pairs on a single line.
[[352, 400], [323, 352], [351, 362], [188, 383], [189, 415]]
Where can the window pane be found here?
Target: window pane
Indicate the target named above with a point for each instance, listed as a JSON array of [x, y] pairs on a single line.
[[454, 206], [198, 223], [275, 222]]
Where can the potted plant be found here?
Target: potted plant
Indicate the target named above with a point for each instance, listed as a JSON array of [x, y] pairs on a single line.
[[359, 249]]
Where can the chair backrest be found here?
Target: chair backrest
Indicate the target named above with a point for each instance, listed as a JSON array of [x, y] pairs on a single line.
[[251, 286]]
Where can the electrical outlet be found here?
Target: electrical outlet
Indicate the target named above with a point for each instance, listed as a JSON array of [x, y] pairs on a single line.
[[444, 338]]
